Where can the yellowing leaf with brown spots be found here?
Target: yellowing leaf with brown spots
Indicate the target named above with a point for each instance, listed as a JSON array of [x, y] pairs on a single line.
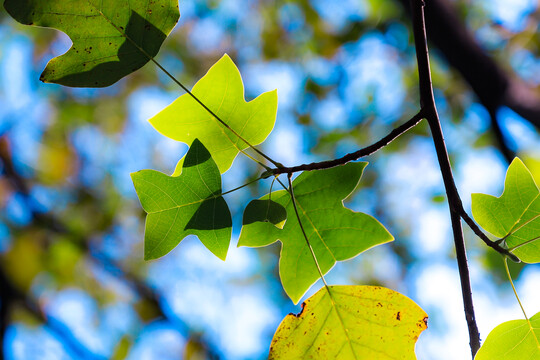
[[351, 322]]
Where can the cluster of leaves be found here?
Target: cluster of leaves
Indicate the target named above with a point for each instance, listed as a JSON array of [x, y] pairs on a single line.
[[315, 229], [112, 40]]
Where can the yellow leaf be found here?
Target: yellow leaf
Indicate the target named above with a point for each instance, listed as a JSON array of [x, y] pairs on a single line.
[[351, 322]]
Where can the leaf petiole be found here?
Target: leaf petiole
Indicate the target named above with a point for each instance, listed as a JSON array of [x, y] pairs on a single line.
[[519, 302], [242, 186], [513, 287]]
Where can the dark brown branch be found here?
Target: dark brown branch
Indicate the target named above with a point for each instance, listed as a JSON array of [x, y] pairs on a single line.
[[493, 86], [355, 155], [454, 201], [524, 100], [499, 137]]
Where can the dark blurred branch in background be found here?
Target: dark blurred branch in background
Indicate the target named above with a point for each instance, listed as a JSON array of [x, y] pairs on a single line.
[[493, 86], [11, 296], [508, 153], [52, 223], [6, 300]]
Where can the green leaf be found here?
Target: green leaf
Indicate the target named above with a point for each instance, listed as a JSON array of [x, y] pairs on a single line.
[[222, 91], [355, 322], [187, 204], [513, 340], [334, 232], [265, 211], [515, 215], [107, 36]]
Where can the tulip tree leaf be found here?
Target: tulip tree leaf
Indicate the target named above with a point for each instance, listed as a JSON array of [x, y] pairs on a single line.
[[515, 215], [182, 205], [513, 340], [355, 322], [265, 211], [222, 91], [334, 232], [111, 39]]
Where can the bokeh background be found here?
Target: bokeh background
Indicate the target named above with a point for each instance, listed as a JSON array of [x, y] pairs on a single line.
[[73, 281]]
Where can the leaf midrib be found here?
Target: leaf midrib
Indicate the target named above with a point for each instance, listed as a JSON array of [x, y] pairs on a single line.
[[331, 298]]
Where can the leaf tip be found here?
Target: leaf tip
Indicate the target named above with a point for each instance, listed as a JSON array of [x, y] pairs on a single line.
[[226, 61], [46, 77], [136, 176], [294, 294], [517, 160], [220, 252], [273, 93]]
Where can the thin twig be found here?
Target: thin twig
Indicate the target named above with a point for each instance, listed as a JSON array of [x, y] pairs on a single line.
[[354, 155], [492, 244], [427, 102]]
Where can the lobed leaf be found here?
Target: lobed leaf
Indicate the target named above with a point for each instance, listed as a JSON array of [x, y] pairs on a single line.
[[513, 340], [182, 205], [111, 39], [351, 322], [334, 232], [515, 215], [222, 91]]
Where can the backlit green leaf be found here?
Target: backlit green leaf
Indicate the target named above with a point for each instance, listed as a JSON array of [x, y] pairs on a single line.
[[515, 215], [265, 211], [222, 91], [111, 39], [187, 204], [355, 322], [513, 340], [335, 232]]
